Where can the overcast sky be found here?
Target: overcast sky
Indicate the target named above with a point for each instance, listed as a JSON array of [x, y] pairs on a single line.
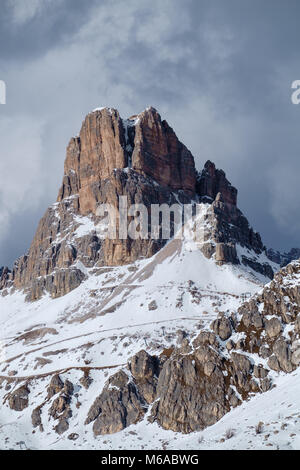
[[219, 71]]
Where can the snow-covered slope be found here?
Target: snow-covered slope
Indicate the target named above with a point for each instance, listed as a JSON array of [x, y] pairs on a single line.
[[146, 302], [112, 315]]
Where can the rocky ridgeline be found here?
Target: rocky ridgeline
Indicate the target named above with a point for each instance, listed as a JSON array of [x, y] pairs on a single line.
[[195, 383], [140, 158], [283, 258]]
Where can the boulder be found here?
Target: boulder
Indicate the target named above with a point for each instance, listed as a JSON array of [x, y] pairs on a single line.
[[36, 417], [222, 327], [18, 399], [55, 386], [282, 352]]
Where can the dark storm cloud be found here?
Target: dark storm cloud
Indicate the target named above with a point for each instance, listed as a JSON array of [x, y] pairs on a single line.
[[23, 38], [219, 71]]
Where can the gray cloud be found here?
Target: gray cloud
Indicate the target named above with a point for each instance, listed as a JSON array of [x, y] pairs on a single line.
[[219, 72], [23, 11]]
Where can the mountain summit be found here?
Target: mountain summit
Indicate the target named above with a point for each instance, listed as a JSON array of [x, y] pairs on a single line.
[[141, 159]]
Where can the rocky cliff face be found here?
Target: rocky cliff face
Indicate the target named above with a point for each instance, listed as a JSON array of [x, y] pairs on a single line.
[[144, 143], [142, 159], [4, 275]]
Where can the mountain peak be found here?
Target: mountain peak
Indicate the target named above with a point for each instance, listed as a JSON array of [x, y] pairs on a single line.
[[141, 159], [106, 143]]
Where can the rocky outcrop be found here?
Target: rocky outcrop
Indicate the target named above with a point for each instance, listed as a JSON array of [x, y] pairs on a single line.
[[86, 380], [211, 181], [190, 388], [59, 396], [197, 383], [60, 408], [18, 399], [222, 327], [126, 395], [225, 228], [276, 311], [118, 406], [197, 389], [36, 419], [56, 385], [4, 271], [192, 394], [145, 370]]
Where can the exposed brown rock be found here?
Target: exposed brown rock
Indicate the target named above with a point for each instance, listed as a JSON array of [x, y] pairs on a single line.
[[4, 276], [152, 305], [225, 253], [18, 400], [283, 354], [212, 183], [93, 155], [36, 417], [273, 327], [60, 408], [222, 327], [226, 226], [86, 380], [145, 370], [62, 426], [33, 335], [55, 386], [188, 401], [118, 406], [159, 154], [295, 348]]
